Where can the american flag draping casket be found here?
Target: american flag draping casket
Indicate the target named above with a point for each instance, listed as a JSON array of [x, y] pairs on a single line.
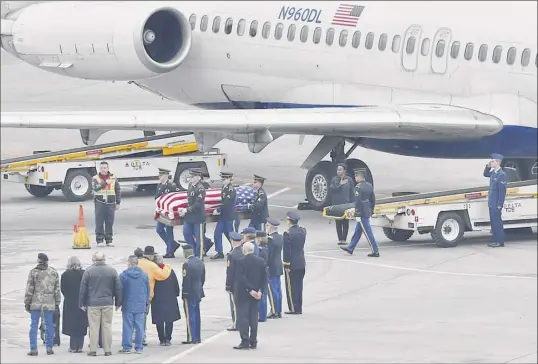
[[167, 206]]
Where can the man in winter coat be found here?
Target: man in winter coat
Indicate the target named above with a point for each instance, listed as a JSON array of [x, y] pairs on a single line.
[[164, 306], [42, 296], [341, 189], [135, 292]]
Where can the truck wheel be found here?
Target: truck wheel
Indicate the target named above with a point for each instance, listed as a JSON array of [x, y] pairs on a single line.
[[449, 230], [77, 185], [38, 191], [398, 234]]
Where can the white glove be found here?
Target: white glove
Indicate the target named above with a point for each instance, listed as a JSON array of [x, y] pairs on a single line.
[[216, 212], [182, 212]]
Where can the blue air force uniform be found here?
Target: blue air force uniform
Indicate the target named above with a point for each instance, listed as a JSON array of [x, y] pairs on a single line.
[[275, 271], [164, 231], [264, 254], [192, 294], [260, 208], [364, 207], [195, 217], [293, 242], [231, 265], [227, 214], [496, 197]]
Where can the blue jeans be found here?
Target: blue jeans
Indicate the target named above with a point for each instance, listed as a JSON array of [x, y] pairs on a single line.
[[193, 235], [167, 234], [363, 223], [223, 227], [132, 321], [275, 295], [192, 318], [35, 315], [497, 227]]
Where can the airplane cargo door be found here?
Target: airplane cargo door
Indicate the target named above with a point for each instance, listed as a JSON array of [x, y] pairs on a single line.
[[440, 51], [411, 48], [241, 97]]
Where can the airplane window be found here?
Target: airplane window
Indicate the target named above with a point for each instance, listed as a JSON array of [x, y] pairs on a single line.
[[497, 53], [455, 50], [192, 20], [440, 48], [278, 31], [425, 47], [228, 26], [266, 30], [525, 57], [241, 27], [469, 49], [396, 41], [317, 35], [369, 40], [291, 33], [482, 52], [382, 42], [330, 36], [216, 24], [304, 33], [203, 23], [410, 47], [511, 56], [356, 39], [343, 38], [253, 28]]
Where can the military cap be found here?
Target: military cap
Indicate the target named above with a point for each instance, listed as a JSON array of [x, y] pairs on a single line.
[[259, 178], [226, 174], [293, 216], [272, 221], [261, 234], [249, 230], [42, 257], [497, 156], [196, 171], [235, 236], [164, 171]]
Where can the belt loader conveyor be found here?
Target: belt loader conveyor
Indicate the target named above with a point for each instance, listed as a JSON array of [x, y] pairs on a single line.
[[447, 215]]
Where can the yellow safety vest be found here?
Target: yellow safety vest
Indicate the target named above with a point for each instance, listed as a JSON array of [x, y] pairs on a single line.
[[109, 189]]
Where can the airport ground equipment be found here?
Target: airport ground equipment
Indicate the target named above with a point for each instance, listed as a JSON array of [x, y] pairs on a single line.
[[134, 162], [447, 215]]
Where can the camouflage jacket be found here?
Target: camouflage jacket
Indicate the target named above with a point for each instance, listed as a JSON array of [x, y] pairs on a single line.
[[43, 288]]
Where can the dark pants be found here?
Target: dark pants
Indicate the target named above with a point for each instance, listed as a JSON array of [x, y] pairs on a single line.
[[193, 234], [363, 224], [237, 222], [167, 235], [76, 342], [275, 295], [223, 227], [247, 320], [294, 289], [497, 227], [192, 319], [259, 226], [104, 216], [164, 330], [342, 228]]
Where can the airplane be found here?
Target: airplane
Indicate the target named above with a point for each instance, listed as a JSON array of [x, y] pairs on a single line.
[[426, 79]]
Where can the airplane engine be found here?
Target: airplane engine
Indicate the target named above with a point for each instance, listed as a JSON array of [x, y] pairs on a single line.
[[120, 41]]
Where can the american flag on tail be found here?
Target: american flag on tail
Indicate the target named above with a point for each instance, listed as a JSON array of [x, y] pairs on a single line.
[[169, 204], [347, 15]]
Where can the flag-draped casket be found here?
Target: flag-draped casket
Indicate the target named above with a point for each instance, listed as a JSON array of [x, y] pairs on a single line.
[[167, 206]]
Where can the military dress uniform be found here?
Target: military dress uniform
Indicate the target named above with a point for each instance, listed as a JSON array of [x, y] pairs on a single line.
[[260, 208], [263, 253], [496, 197], [107, 196], [164, 231], [293, 242], [364, 207], [231, 265], [192, 293], [275, 271], [195, 216], [227, 213]]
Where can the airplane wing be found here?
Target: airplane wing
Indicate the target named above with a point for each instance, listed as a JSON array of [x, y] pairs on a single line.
[[410, 122]]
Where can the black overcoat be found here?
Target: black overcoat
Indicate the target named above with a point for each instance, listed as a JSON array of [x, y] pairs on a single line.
[[164, 306], [74, 320]]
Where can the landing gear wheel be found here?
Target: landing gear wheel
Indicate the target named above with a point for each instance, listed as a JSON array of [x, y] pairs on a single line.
[[38, 191], [449, 230], [77, 185], [182, 173], [317, 182], [398, 234], [353, 164]]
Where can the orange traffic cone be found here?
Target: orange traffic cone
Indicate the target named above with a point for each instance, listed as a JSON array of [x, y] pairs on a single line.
[[81, 238]]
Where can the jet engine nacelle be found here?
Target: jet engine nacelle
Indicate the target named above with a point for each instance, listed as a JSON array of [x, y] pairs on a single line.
[[99, 40]]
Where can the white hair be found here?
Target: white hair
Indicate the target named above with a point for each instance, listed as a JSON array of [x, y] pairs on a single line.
[[73, 263], [248, 248], [158, 259], [99, 257]]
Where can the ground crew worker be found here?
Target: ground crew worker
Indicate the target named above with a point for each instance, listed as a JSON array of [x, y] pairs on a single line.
[[261, 241], [231, 265], [226, 213], [260, 209], [496, 196], [364, 207], [194, 214], [192, 292], [275, 270], [107, 199], [293, 241], [341, 193], [164, 231]]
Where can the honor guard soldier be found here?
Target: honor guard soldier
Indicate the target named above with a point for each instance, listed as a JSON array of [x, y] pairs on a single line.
[[194, 214], [226, 213], [164, 231], [274, 247], [260, 209], [364, 207], [192, 294], [107, 199], [231, 264], [261, 241], [496, 196], [293, 241]]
